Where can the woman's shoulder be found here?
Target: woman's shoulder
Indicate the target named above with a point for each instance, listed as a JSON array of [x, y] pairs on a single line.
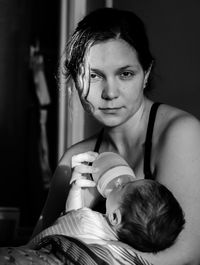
[[172, 119], [176, 129], [79, 147]]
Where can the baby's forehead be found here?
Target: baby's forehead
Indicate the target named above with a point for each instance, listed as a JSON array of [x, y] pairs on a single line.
[[143, 186]]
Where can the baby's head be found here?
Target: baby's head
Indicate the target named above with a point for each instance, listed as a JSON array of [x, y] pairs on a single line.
[[145, 215]]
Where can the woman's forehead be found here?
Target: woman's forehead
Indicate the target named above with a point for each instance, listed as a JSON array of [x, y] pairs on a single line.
[[111, 44], [113, 50]]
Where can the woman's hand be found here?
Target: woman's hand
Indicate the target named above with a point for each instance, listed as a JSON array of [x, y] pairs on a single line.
[[81, 169]]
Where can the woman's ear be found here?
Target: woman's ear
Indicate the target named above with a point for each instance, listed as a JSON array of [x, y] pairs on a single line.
[[115, 217]]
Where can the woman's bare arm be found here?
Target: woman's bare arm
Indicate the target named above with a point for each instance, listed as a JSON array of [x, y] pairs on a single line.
[[178, 167], [60, 186]]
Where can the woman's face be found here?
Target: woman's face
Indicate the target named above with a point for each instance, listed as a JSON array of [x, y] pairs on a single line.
[[117, 81]]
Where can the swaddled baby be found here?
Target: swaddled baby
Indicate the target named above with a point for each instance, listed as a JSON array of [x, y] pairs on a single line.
[[141, 213]]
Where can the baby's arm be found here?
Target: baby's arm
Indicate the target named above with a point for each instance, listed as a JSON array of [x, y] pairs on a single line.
[[79, 180]]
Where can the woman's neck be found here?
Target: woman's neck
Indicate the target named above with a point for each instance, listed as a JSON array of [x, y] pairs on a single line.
[[131, 133]]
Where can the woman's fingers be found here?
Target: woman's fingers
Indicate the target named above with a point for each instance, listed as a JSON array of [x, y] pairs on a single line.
[[85, 183], [79, 172], [84, 169], [86, 157], [81, 181], [81, 167]]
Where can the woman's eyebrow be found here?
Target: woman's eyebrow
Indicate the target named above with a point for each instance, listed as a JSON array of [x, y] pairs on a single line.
[[117, 69], [129, 66], [97, 71]]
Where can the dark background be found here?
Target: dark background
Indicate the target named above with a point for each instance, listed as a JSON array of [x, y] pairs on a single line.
[[173, 28], [22, 23]]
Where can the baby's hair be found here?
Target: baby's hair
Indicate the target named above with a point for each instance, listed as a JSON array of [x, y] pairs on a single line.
[[151, 217]]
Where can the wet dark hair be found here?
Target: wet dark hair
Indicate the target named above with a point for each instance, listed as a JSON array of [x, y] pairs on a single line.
[[151, 217], [102, 25]]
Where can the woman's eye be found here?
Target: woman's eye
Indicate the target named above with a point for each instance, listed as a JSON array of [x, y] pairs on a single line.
[[126, 75], [94, 77]]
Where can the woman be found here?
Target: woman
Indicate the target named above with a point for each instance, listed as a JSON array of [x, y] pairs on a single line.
[[109, 60]]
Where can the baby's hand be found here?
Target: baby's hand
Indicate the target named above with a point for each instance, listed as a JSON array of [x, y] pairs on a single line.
[[82, 169]]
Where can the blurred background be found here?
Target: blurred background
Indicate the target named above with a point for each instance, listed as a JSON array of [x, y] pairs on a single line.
[[36, 122]]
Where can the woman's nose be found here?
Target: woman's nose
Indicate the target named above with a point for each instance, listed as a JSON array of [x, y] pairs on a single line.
[[110, 90]]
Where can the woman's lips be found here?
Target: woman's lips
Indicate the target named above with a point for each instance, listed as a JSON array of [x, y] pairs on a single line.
[[110, 110]]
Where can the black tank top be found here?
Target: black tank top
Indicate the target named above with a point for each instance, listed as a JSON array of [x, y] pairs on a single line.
[[148, 141]]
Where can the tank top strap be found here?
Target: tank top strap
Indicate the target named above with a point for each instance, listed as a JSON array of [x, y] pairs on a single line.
[[148, 141]]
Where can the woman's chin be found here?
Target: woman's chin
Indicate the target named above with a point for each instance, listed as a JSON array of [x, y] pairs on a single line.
[[110, 121]]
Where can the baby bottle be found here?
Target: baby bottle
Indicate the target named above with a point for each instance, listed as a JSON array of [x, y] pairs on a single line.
[[113, 171]]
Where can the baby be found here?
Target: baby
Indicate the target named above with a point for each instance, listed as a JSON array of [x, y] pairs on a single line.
[[141, 213]]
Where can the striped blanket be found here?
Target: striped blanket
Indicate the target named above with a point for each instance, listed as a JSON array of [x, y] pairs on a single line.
[[64, 250]]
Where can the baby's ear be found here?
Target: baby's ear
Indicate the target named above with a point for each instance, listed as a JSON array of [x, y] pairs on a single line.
[[115, 217]]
